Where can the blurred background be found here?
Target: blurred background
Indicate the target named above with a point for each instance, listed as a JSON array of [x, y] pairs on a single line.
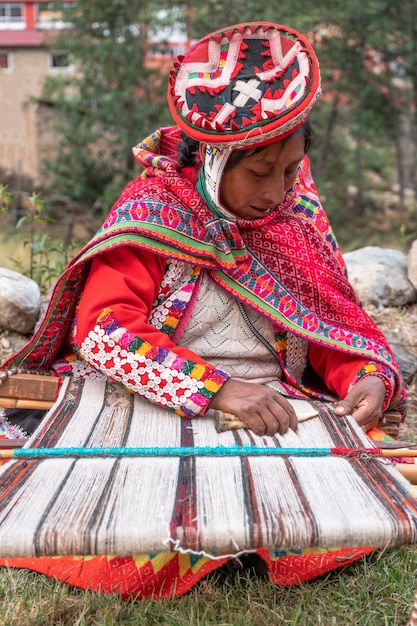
[[82, 81]]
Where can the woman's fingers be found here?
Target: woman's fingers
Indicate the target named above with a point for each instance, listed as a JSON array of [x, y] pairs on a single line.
[[268, 424], [269, 415], [279, 416], [263, 409], [364, 402]]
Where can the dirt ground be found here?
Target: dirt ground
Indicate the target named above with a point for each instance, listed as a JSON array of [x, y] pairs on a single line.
[[400, 325]]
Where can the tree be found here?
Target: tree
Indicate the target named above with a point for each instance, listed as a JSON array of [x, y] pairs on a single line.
[[365, 119], [111, 101], [380, 36]]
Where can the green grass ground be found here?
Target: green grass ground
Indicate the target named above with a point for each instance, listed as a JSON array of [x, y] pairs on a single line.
[[377, 591]]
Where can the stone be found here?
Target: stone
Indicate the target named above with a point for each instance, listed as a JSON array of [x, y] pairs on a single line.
[[11, 343], [406, 359], [19, 302], [412, 264], [380, 277]]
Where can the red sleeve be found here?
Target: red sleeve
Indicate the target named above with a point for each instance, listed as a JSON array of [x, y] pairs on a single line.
[[114, 335], [339, 370], [126, 281], [336, 368]]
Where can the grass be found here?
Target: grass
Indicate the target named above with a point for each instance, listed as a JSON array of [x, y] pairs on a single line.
[[13, 248], [377, 591]]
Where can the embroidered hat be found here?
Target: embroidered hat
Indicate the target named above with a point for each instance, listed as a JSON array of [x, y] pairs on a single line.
[[245, 85]]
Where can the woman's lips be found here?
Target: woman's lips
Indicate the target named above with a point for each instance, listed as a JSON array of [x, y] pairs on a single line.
[[260, 210]]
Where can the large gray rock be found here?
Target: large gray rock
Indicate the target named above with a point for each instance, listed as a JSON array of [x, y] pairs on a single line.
[[19, 302], [412, 264], [406, 359], [379, 275]]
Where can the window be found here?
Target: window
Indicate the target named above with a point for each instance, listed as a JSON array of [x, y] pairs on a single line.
[[11, 12], [50, 16], [168, 49], [59, 60], [5, 62]]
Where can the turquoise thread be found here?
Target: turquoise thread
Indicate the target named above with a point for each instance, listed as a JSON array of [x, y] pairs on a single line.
[[24, 453]]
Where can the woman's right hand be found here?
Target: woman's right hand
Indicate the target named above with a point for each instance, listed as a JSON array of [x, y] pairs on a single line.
[[263, 409]]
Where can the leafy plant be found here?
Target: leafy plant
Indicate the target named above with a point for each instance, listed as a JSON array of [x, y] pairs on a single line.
[[5, 200], [47, 259]]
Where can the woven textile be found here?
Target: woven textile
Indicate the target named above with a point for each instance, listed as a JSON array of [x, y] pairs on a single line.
[[247, 84], [167, 574], [150, 526], [210, 501]]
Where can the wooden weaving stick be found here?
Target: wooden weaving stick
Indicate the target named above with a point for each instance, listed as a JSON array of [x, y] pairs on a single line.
[[11, 444], [17, 403], [390, 423], [228, 421], [29, 391], [409, 471]]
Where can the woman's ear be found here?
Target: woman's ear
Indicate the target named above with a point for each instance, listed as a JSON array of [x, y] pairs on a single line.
[[202, 147]]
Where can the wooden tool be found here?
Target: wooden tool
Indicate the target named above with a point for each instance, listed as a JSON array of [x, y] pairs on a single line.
[[29, 391], [228, 421]]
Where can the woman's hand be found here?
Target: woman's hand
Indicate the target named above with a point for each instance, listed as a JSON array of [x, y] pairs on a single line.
[[364, 402], [264, 410]]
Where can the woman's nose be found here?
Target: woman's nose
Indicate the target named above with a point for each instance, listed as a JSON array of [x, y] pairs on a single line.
[[275, 192]]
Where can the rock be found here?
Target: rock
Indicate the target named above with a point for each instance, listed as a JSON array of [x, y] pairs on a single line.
[[412, 264], [19, 302], [399, 326], [406, 360], [11, 343], [379, 276]]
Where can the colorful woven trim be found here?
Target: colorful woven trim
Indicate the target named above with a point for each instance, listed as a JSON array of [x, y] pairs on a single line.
[[154, 372], [247, 84], [7, 430]]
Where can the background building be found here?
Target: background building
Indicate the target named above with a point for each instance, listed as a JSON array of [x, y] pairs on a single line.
[[25, 121]]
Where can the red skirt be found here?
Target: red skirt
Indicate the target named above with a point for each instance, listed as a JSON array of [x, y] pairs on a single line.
[[168, 574]]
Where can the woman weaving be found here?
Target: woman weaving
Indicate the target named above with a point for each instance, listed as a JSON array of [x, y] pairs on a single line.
[[216, 281]]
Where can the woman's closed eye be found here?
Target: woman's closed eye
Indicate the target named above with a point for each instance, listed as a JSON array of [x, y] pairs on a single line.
[[293, 170], [291, 174], [261, 173]]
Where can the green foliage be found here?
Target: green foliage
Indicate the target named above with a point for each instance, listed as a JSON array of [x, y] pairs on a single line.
[[368, 59], [111, 101], [47, 259], [5, 200]]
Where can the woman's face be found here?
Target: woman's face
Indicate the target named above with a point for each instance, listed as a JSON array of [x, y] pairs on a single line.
[[259, 182]]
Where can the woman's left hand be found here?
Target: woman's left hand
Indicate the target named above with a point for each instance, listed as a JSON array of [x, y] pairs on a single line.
[[364, 402]]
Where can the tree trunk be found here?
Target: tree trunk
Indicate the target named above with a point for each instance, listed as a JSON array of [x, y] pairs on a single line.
[[320, 160]]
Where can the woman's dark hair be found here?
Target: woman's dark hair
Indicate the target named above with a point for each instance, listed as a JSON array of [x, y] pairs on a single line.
[[188, 148]]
